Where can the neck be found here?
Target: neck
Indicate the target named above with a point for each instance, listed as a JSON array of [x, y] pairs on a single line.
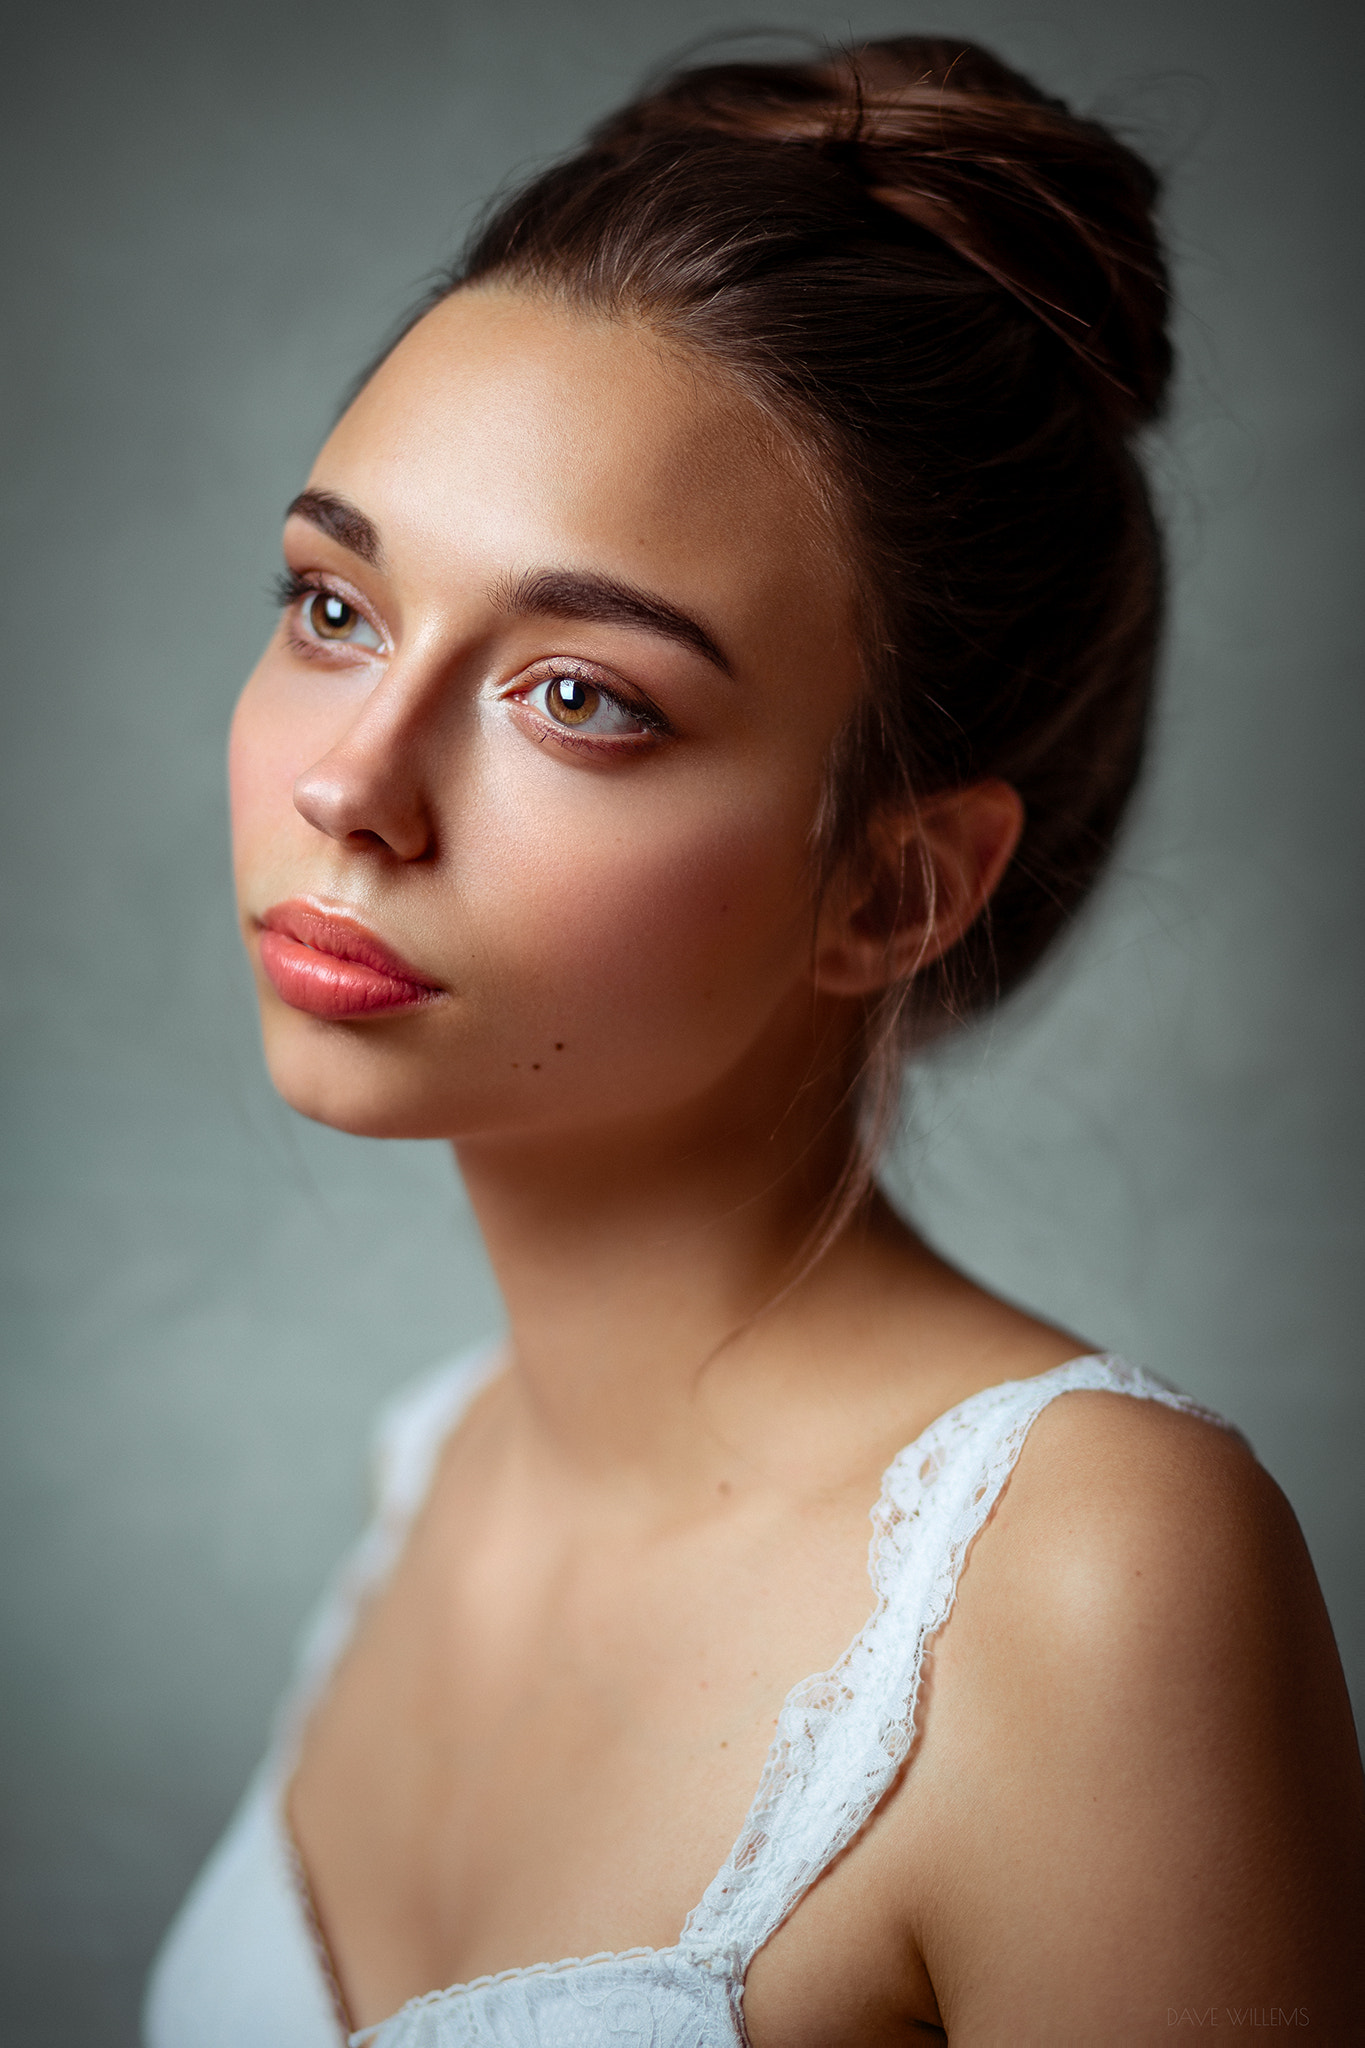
[[638, 1266]]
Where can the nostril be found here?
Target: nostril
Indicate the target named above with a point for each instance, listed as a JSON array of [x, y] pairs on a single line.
[[336, 794]]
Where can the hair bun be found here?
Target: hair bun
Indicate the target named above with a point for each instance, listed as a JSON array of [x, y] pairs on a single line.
[[1052, 207]]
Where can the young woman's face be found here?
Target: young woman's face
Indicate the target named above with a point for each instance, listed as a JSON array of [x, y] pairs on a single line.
[[523, 788]]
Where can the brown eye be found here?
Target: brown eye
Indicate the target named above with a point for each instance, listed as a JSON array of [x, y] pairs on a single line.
[[595, 713], [570, 701], [330, 617]]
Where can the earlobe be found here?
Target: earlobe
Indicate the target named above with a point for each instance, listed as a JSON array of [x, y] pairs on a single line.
[[921, 879]]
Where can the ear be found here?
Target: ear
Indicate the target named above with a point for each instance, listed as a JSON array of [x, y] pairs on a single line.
[[924, 875]]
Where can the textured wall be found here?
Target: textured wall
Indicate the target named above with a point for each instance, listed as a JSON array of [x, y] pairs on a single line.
[[220, 209]]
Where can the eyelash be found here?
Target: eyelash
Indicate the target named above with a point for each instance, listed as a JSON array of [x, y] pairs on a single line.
[[291, 587]]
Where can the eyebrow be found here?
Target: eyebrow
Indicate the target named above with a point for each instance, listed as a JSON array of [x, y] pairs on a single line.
[[604, 601], [340, 521], [555, 593]]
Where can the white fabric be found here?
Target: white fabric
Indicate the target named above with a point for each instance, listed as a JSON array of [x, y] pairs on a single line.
[[242, 1967]]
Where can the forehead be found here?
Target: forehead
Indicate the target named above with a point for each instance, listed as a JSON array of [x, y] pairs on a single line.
[[508, 429]]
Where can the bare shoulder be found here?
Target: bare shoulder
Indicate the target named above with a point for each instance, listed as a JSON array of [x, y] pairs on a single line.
[[1138, 1786], [1121, 1508], [1144, 1576], [1141, 1571]]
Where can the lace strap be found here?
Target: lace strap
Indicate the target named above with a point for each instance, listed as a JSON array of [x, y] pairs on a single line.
[[844, 1735], [411, 1430]]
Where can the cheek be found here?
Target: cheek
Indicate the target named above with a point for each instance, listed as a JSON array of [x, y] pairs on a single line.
[[257, 770], [668, 923], [275, 734]]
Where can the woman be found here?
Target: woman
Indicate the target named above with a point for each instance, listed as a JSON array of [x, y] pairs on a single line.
[[716, 651]]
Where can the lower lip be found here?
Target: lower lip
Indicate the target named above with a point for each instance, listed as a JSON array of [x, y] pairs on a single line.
[[326, 986]]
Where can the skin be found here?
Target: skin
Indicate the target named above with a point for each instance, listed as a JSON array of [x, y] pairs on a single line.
[[1136, 1785]]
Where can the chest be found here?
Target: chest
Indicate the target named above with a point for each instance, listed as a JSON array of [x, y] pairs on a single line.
[[537, 1748]]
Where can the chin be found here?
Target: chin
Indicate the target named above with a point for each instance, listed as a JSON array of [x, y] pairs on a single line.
[[337, 1075], [362, 1113]]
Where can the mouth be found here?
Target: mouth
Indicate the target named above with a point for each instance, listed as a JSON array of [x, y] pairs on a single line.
[[331, 965]]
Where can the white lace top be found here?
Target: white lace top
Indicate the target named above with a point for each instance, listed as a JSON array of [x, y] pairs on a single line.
[[242, 1966]]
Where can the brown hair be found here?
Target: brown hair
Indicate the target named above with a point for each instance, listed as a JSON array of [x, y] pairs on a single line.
[[949, 286]]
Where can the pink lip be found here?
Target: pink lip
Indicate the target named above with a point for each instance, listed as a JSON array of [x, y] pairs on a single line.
[[328, 964]]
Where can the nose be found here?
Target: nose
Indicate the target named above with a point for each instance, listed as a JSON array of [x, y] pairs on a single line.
[[367, 792]]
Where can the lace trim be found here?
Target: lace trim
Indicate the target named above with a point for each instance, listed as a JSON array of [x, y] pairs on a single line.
[[427, 1999]]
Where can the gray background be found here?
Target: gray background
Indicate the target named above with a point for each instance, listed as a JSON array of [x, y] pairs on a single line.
[[217, 210]]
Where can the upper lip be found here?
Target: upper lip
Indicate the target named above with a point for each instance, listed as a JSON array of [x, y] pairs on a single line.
[[343, 936]]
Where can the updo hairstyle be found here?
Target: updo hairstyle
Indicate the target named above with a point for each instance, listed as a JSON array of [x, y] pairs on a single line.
[[947, 288]]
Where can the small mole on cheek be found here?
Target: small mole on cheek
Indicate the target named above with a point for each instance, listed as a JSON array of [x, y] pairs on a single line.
[[559, 1046], [535, 1066], [723, 1487]]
